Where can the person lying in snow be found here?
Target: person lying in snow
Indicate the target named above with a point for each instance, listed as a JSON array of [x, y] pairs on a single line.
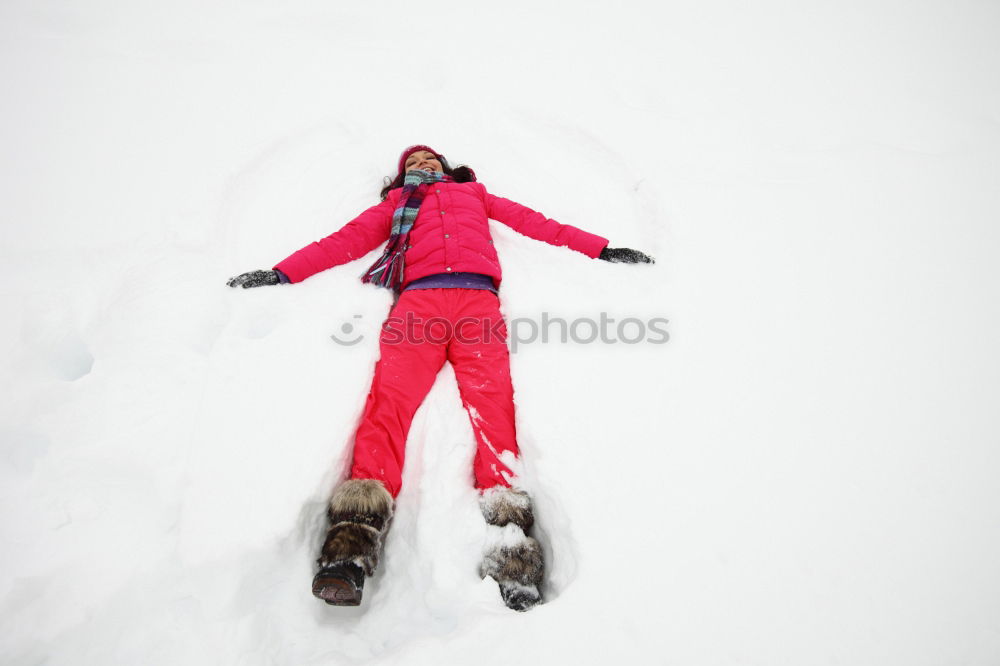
[[441, 263]]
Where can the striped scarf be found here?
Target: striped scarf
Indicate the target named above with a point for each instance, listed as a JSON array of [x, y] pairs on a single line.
[[388, 270]]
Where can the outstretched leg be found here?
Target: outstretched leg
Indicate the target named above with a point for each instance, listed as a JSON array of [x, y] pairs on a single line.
[[481, 361], [362, 506]]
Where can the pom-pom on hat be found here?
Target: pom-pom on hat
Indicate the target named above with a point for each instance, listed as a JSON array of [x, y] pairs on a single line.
[[412, 149]]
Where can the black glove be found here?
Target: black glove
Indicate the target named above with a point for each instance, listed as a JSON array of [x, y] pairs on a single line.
[[623, 255], [255, 279]]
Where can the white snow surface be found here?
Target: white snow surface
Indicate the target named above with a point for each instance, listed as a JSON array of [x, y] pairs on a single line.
[[806, 473]]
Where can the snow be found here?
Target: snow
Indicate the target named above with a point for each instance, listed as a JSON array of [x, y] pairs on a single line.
[[804, 474]]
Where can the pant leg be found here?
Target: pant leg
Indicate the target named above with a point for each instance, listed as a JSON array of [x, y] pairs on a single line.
[[410, 361], [478, 353]]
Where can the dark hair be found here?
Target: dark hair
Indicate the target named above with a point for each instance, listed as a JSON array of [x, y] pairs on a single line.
[[461, 174]]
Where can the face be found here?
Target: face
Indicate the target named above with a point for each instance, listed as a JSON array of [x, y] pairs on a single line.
[[423, 160]]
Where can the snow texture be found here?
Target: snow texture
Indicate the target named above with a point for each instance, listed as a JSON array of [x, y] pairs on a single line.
[[804, 474]]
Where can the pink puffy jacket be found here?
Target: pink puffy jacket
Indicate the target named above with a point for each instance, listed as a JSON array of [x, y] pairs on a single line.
[[451, 234]]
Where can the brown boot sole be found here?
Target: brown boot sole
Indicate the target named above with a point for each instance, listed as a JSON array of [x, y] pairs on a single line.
[[336, 591]]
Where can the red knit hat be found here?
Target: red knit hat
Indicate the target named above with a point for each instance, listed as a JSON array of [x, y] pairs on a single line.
[[412, 149]]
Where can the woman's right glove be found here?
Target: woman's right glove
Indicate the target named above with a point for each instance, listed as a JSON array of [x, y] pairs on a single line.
[[623, 255], [257, 279]]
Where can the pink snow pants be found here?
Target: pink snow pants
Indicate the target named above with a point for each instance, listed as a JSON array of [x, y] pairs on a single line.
[[425, 328]]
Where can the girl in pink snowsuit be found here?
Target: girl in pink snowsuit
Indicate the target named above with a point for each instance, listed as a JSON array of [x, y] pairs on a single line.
[[441, 261]]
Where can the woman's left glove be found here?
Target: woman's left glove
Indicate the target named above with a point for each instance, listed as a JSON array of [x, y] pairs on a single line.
[[257, 279], [623, 255]]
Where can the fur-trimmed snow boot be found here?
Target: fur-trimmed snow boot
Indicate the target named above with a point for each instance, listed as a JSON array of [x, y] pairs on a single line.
[[511, 557], [359, 514]]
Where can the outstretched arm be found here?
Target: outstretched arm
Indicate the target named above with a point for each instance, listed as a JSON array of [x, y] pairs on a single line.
[[355, 239], [535, 225]]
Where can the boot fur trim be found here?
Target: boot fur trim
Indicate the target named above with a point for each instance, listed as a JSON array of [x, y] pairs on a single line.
[[364, 501], [501, 505]]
